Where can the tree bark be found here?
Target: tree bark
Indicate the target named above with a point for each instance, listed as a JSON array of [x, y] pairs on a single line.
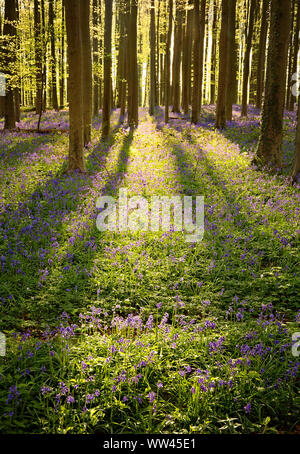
[[107, 69], [124, 68], [270, 143], [253, 4], [95, 59], [262, 53], [133, 101], [168, 63], [75, 85], [152, 59], [196, 63], [296, 166], [231, 60], [53, 55], [201, 45], [62, 59], [38, 57], [9, 32], [223, 53], [177, 52], [17, 90], [87, 69], [187, 59], [295, 51], [213, 55]]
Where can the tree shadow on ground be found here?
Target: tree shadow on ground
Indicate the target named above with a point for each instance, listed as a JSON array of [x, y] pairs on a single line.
[[31, 233], [242, 218]]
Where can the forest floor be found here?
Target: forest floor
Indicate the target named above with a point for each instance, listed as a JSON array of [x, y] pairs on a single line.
[[144, 332]]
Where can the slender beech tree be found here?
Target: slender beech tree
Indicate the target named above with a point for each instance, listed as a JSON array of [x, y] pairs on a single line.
[[38, 57], [223, 54], [177, 52], [196, 63], [62, 59], [120, 53], [157, 65], [201, 50], [107, 69], [246, 72], [53, 56], [290, 53], [133, 101], [75, 85], [43, 44], [295, 52], [17, 89], [296, 166], [10, 42], [198, 56], [163, 42], [231, 57], [168, 62], [124, 59], [2, 98], [262, 53], [95, 16], [152, 59], [87, 70], [213, 54], [101, 54], [187, 58], [270, 143]]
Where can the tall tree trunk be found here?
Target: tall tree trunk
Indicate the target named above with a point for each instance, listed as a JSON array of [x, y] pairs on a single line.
[[213, 54], [107, 69], [44, 57], [118, 34], [157, 66], [270, 143], [223, 53], [295, 51], [168, 63], [2, 98], [53, 55], [296, 166], [231, 57], [87, 70], [62, 59], [152, 59], [17, 90], [177, 51], [163, 40], [290, 53], [124, 63], [38, 57], [75, 85], [246, 72], [95, 59], [133, 101], [101, 56], [196, 63], [187, 59], [201, 46], [10, 42], [262, 53]]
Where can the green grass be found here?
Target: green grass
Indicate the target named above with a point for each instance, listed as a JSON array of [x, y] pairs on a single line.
[[238, 287]]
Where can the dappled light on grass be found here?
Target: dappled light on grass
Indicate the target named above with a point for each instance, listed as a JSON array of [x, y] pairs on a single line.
[[156, 334]]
